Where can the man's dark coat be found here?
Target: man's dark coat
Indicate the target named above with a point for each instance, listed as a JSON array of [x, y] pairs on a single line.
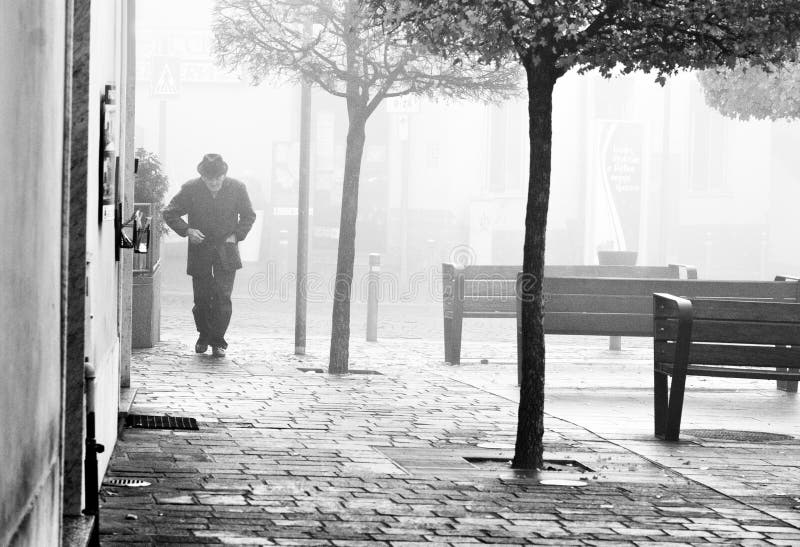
[[229, 213]]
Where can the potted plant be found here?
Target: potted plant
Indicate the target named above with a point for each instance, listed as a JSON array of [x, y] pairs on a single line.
[[150, 188], [607, 255]]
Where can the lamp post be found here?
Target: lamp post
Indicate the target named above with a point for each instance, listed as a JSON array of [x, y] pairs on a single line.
[[302, 212]]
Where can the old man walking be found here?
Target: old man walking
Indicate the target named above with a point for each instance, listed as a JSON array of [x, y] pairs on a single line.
[[219, 216]]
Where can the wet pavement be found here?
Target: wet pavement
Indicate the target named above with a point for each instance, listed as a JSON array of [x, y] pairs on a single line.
[[417, 453]]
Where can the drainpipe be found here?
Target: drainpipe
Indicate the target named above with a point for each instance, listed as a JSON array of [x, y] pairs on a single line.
[[92, 449]]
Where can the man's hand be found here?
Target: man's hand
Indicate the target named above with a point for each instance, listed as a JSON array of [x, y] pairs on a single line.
[[195, 236], [231, 239]]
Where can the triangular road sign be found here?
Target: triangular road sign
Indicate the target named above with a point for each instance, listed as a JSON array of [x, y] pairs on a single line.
[[166, 71], [166, 82]]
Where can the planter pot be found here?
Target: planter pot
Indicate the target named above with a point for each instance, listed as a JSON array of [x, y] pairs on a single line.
[[146, 317], [617, 258]]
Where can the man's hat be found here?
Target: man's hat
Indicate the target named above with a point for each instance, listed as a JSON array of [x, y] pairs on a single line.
[[212, 166]]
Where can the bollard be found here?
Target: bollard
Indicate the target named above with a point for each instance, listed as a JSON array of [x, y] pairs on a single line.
[[372, 296]]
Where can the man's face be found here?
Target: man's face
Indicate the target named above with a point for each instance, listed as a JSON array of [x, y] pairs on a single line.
[[213, 183]]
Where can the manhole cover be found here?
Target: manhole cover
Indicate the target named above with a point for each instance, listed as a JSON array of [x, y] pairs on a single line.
[[129, 483], [160, 422], [736, 435]]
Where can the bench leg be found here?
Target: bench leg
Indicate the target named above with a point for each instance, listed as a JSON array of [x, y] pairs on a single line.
[[615, 343], [659, 403], [452, 339], [789, 386], [675, 409], [448, 340]]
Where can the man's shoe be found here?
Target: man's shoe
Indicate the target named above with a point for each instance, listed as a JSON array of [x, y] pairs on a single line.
[[200, 348], [217, 351]]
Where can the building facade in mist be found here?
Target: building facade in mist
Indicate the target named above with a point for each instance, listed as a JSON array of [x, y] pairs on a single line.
[[66, 103], [641, 167], [635, 167]]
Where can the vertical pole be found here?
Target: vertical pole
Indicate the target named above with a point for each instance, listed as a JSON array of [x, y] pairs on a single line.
[[162, 132], [667, 191], [302, 220], [372, 297], [405, 169]]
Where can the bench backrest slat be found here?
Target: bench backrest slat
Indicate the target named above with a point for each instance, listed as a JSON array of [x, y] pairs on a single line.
[[603, 303], [477, 305], [490, 288], [731, 355], [732, 332], [599, 324], [474, 272], [761, 290]]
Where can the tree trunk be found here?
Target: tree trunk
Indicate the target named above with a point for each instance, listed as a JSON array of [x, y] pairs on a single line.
[[340, 329], [541, 80]]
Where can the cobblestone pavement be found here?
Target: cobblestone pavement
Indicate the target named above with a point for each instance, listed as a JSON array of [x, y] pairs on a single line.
[[291, 457]]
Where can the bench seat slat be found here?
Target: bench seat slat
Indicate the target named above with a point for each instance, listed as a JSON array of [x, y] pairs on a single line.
[[731, 355], [740, 332], [733, 372]]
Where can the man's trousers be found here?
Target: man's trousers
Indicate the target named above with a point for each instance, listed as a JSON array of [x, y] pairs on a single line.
[[212, 305]]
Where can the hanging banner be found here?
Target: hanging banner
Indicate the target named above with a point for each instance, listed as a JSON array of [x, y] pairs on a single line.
[[618, 181]]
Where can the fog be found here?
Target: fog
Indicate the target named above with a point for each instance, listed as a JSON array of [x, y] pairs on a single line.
[[636, 167]]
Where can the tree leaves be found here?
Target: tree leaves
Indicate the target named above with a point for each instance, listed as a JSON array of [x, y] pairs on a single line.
[[346, 49], [662, 36], [747, 92]]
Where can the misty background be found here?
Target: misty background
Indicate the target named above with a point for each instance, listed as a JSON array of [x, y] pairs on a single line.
[[636, 166]]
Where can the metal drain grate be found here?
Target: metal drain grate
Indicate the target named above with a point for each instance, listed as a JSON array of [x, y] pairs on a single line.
[[129, 483], [351, 371], [493, 462], [736, 435], [307, 369], [160, 422]]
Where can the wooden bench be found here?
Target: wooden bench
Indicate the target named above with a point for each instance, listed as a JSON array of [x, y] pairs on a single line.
[[757, 339], [490, 291]]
